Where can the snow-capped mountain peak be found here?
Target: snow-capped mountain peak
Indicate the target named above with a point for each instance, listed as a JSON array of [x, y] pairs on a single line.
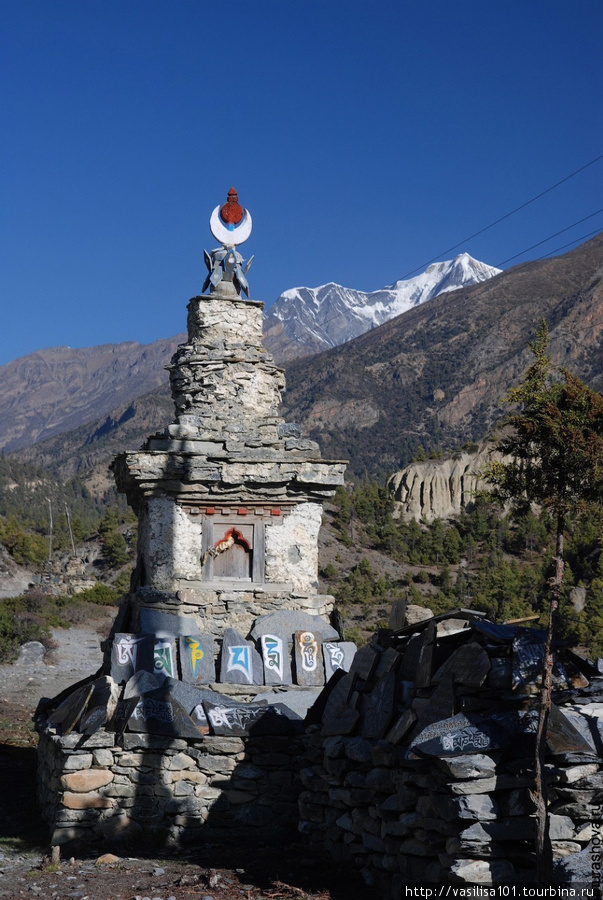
[[306, 320]]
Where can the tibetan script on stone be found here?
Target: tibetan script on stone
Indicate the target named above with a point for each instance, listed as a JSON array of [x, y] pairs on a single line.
[[197, 658], [309, 668]]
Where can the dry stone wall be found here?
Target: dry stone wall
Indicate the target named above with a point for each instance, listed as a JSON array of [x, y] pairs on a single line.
[[167, 790], [422, 768]]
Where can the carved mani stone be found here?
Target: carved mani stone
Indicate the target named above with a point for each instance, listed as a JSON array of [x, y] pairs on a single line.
[[164, 658], [277, 663], [309, 668], [160, 713], [197, 658], [240, 663], [338, 655], [129, 654], [247, 719]]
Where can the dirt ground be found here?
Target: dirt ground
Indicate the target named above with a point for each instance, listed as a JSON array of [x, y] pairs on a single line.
[[206, 872]]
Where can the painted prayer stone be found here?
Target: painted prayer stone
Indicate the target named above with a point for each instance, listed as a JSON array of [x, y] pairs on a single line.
[[240, 661], [200, 719], [275, 654], [164, 658], [129, 653], [309, 666], [338, 655], [197, 658], [461, 734], [246, 719]]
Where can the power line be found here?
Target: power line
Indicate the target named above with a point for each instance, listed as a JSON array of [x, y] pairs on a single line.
[[502, 218], [571, 243], [550, 237]]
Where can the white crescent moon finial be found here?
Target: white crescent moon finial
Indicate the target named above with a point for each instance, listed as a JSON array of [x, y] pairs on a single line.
[[224, 235]]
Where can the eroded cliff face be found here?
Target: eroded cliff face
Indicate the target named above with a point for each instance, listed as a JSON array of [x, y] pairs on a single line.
[[442, 488]]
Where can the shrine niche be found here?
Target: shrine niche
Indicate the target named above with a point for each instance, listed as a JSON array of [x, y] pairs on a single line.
[[233, 546]]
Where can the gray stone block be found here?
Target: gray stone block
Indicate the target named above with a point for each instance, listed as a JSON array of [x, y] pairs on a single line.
[[299, 702], [164, 658], [287, 622]]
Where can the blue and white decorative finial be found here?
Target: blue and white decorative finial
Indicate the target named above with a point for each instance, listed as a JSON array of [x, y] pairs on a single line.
[[231, 225]]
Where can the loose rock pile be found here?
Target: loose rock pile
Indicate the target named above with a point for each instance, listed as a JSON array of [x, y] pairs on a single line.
[[422, 768]]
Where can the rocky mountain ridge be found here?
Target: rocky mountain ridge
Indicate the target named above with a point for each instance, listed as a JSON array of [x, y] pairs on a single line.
[[305, 320], [58, 389], [434, 376], [437, 375], [54, 391], [440, 488]]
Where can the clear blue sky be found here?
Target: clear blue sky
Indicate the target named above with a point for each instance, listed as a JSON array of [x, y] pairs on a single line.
[[364, 137]]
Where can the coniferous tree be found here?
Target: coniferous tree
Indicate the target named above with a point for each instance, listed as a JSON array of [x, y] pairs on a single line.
[[555, 448]]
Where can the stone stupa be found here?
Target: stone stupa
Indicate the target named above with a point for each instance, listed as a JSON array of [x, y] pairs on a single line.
[[224, 636]]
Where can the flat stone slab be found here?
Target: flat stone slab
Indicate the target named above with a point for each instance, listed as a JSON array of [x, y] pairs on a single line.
[[298, 701], [247, 719], [379, 708], [469, 665], [338, 655], [197, 658], [276, 659], [365, 662], [159, 713], [340, 714], [240, 661], [190, 695], [129, 654], [140, 683], [101, 705], [287, 622], [163, 624], [66, 716], [309, 666]]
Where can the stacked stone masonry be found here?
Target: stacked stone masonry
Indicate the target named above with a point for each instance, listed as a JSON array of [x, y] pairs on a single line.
[[402, 784], [169, 791], [194, 720]]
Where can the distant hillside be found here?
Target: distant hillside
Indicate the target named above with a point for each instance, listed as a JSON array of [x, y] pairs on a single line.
[[436, 374], [433, 376], [54, 391]]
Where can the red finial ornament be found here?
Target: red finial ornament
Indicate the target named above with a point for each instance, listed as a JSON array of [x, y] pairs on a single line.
[[232, 212]]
